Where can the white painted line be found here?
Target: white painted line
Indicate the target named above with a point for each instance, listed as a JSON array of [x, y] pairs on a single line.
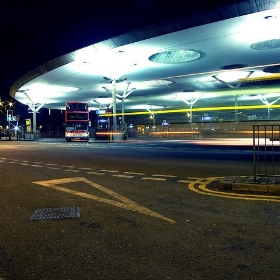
[[134, 173], [105, 170], [72, 170], [33, 165], [155, 179], [85, 168], [123, 176], [162, 175], [185, 181], [95, 173], [51, 167]]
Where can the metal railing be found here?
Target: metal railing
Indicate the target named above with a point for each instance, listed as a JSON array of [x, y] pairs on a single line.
[[266, 150]]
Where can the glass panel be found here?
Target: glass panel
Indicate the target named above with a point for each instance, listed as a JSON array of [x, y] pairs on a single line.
[[77, 116], [76, 106]]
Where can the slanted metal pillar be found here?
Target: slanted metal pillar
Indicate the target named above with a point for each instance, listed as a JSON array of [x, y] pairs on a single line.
[[154, 118], [34, 112], [265, 101], [125, 94], [233, 87], [191, 102]]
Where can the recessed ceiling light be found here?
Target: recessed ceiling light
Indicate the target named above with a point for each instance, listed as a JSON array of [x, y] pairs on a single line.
[[177, 56], [272, 69], [233, 66], [266, 45]]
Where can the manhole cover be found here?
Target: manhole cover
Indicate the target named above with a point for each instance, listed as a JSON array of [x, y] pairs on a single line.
[[56, 213]]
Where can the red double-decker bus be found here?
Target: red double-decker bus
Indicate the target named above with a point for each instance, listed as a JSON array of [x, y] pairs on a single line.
[[77, 121]]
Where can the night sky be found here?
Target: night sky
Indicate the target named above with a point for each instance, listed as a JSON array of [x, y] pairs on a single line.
[[35, 32]]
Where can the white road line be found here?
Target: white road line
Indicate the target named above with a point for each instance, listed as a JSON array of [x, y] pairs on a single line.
[[155, 179], [95, 173], [162, 175], [123, 176], [134, 173], [52, 167], [185, 181]]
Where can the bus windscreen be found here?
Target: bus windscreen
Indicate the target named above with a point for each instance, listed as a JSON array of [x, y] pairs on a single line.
[[76, 116], [77, 106]]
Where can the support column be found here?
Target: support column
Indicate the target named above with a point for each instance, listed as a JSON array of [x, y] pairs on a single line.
[[34, 121], [114, 109], [235, 111]]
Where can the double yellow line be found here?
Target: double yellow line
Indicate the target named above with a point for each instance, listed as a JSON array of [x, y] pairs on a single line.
[[200, 186]]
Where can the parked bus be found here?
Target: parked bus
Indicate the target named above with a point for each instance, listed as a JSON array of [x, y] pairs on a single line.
[[77, 121], [103, 126]]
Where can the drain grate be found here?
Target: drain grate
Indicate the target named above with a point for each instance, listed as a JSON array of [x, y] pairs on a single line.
[[56, 213]]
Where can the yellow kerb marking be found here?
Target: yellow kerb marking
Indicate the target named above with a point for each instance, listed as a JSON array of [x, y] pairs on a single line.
[[202, 189], [123, 202]]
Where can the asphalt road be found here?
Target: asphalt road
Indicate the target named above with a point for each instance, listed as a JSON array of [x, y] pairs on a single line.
[[132, 210]]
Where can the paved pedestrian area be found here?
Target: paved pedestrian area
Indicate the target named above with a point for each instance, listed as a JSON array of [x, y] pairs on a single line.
[[267, 184]]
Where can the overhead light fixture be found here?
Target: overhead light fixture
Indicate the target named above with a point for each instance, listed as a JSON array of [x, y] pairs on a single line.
[[231, 76], [266, 45], [177, 56]]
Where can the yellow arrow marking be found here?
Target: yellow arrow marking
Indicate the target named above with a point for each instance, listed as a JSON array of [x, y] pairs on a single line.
[[124, 202]]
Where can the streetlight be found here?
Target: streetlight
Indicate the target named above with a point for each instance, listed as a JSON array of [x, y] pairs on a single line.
[[8, 103], [7, 113]]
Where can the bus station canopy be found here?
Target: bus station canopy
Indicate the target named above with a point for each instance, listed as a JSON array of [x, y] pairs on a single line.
[[212, 60]]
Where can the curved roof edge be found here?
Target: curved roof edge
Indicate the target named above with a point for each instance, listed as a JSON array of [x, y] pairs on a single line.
[[221, 13]]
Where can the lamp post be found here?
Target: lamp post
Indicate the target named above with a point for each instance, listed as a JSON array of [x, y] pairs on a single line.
[[8, 114]]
